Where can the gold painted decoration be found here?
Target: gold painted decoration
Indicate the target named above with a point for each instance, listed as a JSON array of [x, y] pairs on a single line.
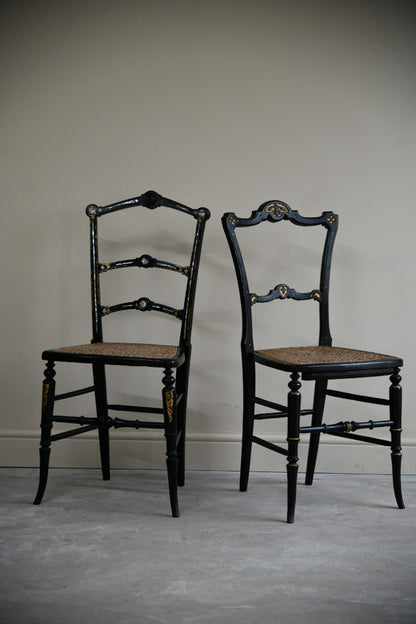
[[277, 210], [169, 404], [45, 391]]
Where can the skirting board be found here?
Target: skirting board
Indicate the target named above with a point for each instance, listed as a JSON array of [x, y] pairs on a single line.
[[134, 450]]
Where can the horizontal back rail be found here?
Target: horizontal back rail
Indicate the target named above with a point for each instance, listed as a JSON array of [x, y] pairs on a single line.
[[283, 291], [143, 305], [146, 262]]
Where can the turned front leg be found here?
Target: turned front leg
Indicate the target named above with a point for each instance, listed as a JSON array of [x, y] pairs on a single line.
[[293, 405], [171, 434], [396, 429], [48, 398]]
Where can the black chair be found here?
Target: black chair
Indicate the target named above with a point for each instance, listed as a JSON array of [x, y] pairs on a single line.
[[100, 354], [319, 363]]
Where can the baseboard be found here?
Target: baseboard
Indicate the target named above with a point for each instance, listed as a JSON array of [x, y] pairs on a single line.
[[137, 450]]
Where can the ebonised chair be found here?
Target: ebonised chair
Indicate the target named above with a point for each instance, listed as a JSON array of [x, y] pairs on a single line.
[[101, 354], [319, 363]]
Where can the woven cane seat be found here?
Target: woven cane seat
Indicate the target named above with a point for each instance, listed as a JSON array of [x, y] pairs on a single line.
[[121, 350], [299, 357]]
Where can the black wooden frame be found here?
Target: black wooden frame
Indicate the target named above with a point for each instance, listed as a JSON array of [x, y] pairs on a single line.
[[175, 387], [274, 212]]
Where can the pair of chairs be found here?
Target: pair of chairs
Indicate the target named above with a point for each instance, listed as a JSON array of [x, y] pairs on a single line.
[[319, 363]]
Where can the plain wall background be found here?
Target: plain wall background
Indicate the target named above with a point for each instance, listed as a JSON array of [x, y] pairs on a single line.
[[222, 104]]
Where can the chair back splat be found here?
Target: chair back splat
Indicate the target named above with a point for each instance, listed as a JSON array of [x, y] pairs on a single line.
[[320, 363], [98, 353], [273, 212], [150, 200]]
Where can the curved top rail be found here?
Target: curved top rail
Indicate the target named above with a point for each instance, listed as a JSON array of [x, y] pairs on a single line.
[[150, 200], [276, 210]]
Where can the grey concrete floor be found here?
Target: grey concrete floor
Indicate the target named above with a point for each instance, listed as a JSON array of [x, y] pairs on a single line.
[[109, 552]]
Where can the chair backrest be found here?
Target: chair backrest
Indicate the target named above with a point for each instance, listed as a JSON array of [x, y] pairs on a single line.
[[150, 200], [274, 212]]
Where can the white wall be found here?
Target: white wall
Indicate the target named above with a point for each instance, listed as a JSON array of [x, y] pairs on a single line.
[[222, 104]]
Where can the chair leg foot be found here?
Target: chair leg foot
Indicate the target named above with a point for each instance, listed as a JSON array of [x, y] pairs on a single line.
[[396, 460], [246, 451], [104, 453], [172, 466], [43, 474], [292, 476], [313, 451], [245, 464], [244, 482]]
